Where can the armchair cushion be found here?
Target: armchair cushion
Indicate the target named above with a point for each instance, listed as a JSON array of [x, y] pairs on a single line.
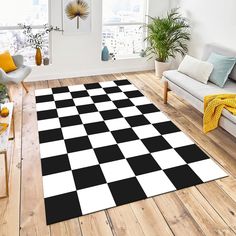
[[6, 62]]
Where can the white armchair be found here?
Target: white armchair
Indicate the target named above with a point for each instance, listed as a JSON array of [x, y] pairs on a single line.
[[17, 76]]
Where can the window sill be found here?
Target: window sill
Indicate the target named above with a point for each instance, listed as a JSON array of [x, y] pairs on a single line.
[[135, 57]]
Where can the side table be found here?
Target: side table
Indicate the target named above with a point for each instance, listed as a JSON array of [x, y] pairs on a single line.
[[4, 139]]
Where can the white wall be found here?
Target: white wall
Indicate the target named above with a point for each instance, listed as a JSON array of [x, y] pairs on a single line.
[[74, 56], [213, 21]]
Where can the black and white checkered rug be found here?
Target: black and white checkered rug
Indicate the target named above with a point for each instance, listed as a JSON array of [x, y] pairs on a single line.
[[105, 144]]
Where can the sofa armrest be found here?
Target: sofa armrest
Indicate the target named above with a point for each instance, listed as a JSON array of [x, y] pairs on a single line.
[[19, 60], [3, 76]]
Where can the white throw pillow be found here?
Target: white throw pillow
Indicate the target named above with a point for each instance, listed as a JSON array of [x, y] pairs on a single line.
[[196, 69]]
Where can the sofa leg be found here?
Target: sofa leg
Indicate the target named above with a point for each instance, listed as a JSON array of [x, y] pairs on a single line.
[[24, 86], [166, 90]]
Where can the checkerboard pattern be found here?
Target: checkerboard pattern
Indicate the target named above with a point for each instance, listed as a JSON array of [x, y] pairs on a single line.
[[105, 144]]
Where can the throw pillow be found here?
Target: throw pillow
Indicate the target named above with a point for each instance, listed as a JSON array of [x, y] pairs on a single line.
[[223, 66], [6, 62], [196, 69]]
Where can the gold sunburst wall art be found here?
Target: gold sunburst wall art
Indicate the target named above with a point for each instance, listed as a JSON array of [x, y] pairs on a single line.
[[77, 9]]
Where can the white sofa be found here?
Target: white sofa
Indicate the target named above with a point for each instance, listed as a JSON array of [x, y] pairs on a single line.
[[194, 91]]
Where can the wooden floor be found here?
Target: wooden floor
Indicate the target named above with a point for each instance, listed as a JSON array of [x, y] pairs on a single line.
[[207, 209]]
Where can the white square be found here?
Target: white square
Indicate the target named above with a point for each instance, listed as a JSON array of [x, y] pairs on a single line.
[[53, 149], [105, 106], [41, 92], [82, 159], [62, 96], [44, 106], [140, 101], [48, 124], [146, 131], [108, 84], [59, 183], [95, 199], [117, 170], [91, 117], [178, 139], [129, 87], [156, 117], [102, 140], [76, 88], [117, 124], [155, 183], [117, 96], [95, 92], [168, 158], [67, 111], [133, 148], [130, 111], [73, 131], [207, 170], [83, 101]]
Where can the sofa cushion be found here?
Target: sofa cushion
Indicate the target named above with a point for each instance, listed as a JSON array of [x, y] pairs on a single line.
[[200, 90]]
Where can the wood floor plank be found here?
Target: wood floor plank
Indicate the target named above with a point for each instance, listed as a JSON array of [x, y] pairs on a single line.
[[33, 220], [124, 221], [10, 207], [177, 216], [203, 213], [95, 225], [221, 202], [229, 186], [150, 218]]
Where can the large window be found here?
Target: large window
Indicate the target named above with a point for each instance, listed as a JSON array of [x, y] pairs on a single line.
[[29, 12], [123, 33]]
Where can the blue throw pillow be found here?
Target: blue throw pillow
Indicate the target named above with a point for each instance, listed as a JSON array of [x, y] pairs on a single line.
[[223, 66]]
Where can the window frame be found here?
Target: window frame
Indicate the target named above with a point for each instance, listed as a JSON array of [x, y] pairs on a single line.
[[16, 27], [145, 21]]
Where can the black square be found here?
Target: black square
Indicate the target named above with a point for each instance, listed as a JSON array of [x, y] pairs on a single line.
[[156, 144], [95, 128], [108, 154], [124, 135], [44, 98], [79, 94], [133, 94], [126, 191], [137, 120], [86, 109], [50, 135], [62, 207], [123, 103], [60, 90], [88, 177], [111, 114], [77, 144], [70, 121], [122, 82], [149, 108], [65, 103], [56, 164], [92, 86], [182, 176], [143, 164], [191, 153], [49, 114], [112, 90], [166, 127], [100, 98]]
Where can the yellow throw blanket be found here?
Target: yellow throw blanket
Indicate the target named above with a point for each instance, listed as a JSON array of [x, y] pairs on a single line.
[[213, 107]]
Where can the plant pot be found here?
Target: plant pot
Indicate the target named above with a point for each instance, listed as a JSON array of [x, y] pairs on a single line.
[[161, 67], [38, 57]]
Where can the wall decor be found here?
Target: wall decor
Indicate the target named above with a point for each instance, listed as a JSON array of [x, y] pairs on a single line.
[[76, 16]]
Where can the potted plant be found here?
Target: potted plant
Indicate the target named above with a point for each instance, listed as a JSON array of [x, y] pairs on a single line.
[[167, 37], [3, 94], [37, 40]]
